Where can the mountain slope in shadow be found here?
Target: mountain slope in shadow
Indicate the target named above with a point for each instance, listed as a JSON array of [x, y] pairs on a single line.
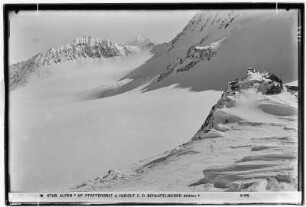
[[214, 48]]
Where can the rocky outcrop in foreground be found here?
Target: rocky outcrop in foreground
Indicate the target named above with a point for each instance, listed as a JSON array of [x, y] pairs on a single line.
[[264, 83]]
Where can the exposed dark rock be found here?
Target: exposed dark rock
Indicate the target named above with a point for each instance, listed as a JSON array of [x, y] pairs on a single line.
[[293, 88], [264, 82]]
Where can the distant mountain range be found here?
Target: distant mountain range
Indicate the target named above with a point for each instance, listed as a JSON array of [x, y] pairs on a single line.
[[82, 47]]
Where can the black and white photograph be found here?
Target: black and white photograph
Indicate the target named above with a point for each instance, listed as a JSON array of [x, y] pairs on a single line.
[[153, 103]]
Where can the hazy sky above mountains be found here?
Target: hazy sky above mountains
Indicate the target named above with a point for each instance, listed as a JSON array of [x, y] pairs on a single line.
[[32, 32]]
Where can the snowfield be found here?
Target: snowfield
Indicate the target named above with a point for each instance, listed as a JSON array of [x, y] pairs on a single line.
[[63, 140], [248, 143]]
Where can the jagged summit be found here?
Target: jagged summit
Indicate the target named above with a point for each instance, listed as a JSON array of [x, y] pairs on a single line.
[[85, 46], [89, 40], [261, 82], [81, 47], [264, 82]]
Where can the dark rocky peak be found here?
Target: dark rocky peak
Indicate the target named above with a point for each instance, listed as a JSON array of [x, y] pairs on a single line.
[[265, 82], [262, 82]]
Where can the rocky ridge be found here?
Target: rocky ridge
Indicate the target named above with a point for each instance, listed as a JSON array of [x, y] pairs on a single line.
[[194, 55], [263, 82], [200, 49], [82, 47]]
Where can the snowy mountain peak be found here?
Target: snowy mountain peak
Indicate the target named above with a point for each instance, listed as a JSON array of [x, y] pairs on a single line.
[[139, 38], [140, 41], [209, 25], [81, 47], [89, 40], [264, 82]]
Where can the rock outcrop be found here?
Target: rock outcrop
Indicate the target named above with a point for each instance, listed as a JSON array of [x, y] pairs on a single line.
[[262, 82]]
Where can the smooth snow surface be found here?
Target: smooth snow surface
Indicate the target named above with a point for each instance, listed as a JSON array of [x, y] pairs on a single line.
[[56, 141]]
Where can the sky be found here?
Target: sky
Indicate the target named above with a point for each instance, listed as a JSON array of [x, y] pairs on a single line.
[[36, 31]]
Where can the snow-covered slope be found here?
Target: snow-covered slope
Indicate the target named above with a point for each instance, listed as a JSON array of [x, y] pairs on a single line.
[[58, 136], [79, 48], [248, 142], [216, 46]]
